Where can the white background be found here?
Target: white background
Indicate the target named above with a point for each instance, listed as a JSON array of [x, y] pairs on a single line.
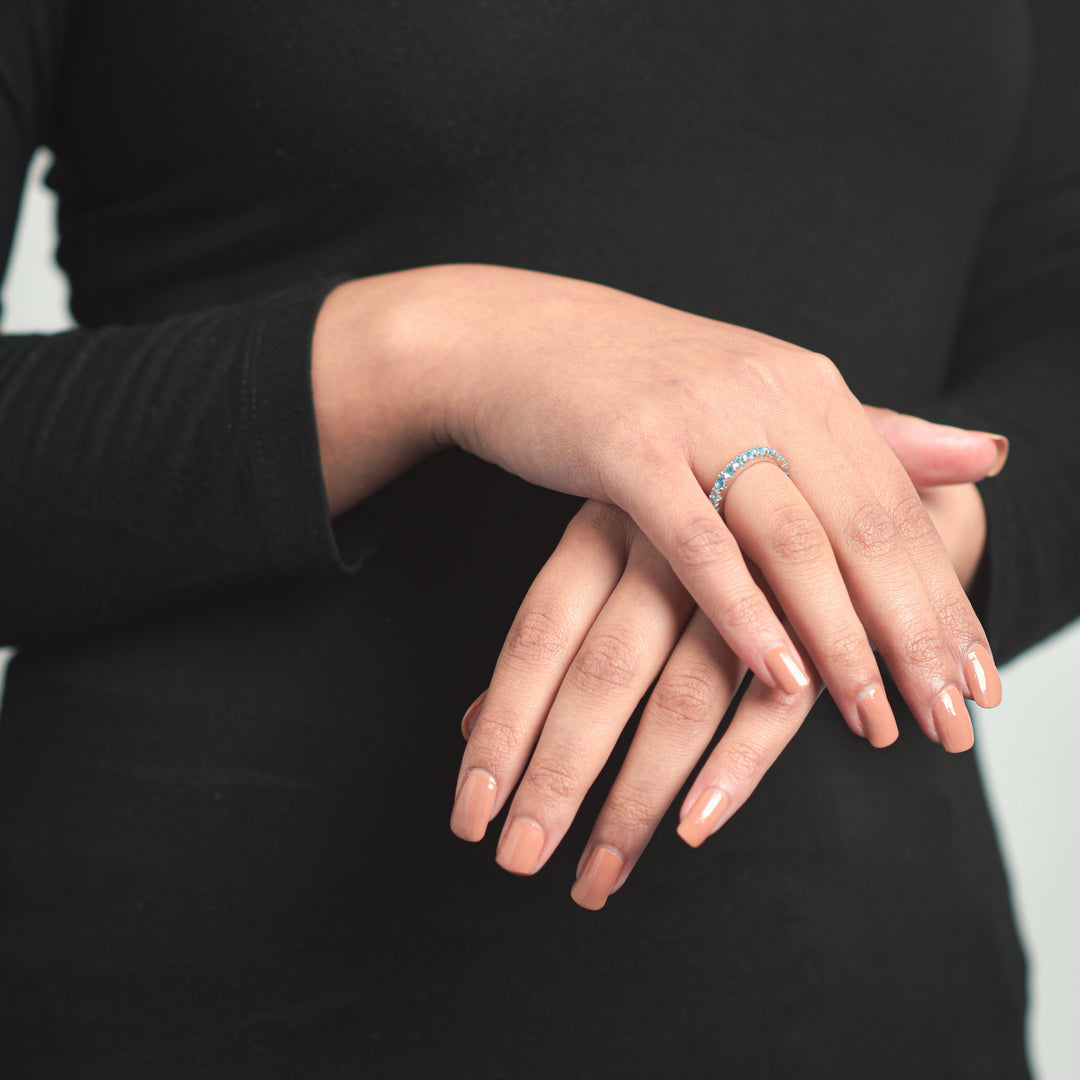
[[1029, 747]]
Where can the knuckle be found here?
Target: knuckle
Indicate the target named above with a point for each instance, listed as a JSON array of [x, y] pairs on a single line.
[[744, 762], [687, 698], [551, 780], [912, 521], [494, 739], [632, 811], [743, 614], [603, 518], [954, 612], [848, 650], [703, 543], [871, 532], [820, 364], [609, 660], [537, 637], [825, 374], [921, 646], [796, 536]]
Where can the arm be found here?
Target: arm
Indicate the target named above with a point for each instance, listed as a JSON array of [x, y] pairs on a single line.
[[568, 384], [140, 464], [1013, 539]]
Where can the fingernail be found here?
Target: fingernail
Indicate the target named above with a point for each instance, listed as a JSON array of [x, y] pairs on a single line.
[[952, 721], [786, 670], [520, 847], [698, 825], [1002, 445], [592, 889], [469, 718], [472, 807], [877, 717], [983, 679]]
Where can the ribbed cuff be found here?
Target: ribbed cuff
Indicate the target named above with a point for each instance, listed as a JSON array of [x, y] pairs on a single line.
[[298, 536]]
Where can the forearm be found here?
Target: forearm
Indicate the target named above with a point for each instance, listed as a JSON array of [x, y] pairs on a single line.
[[402, 362], [142, 464], [406, 363]]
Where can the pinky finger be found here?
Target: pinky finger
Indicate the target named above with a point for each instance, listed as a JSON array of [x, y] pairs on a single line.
[[763, 725]]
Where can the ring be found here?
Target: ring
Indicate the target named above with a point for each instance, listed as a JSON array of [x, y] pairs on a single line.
[[748, 457]]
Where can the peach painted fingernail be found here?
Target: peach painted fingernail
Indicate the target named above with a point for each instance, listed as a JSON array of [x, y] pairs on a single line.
[[469, 718], [698, 825], [952, 721], [1002, 445], [877, 717], [592, 889], [472, 807], [520, 847], [983, 679], [786, 670]]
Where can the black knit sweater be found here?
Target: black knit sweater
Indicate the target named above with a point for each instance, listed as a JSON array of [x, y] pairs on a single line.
[[230, 737]]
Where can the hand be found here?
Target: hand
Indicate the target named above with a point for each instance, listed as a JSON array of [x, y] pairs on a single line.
[[592, 391], [595, 392], [698, 681]]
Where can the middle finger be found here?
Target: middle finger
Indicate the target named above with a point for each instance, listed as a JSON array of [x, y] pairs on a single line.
[[783, 537], [621, 655]]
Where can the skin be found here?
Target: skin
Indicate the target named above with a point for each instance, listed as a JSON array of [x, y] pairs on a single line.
[[699, 677], [527, 370]]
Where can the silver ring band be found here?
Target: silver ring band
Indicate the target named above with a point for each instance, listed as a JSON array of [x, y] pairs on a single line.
[[739, 462]]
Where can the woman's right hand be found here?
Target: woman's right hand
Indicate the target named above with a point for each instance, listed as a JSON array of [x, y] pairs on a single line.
[[591, 391]]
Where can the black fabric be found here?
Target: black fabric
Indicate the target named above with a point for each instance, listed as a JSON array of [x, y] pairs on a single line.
[[226, 765]]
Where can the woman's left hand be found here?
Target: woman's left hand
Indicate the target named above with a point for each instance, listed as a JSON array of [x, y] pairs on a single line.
[[602, 619]]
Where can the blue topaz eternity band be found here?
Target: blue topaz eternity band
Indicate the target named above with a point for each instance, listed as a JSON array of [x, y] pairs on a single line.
[[739, 462]]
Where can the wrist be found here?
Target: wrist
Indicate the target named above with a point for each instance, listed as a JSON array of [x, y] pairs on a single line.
[[376, 404]]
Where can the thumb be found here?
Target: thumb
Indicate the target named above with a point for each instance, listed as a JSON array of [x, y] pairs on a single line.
[[937, 453]]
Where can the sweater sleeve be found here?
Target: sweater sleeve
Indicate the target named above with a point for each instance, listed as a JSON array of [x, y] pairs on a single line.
[[1017, 360], [140, 464]]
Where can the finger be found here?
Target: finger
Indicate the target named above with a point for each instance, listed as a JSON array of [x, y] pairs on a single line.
[[680, 719], [901, 582], [675, 514], [763, 725], [625, 648], [934, 454], [978, 675], [959, 515], [783, 537], [471, 713], [503, 723]]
